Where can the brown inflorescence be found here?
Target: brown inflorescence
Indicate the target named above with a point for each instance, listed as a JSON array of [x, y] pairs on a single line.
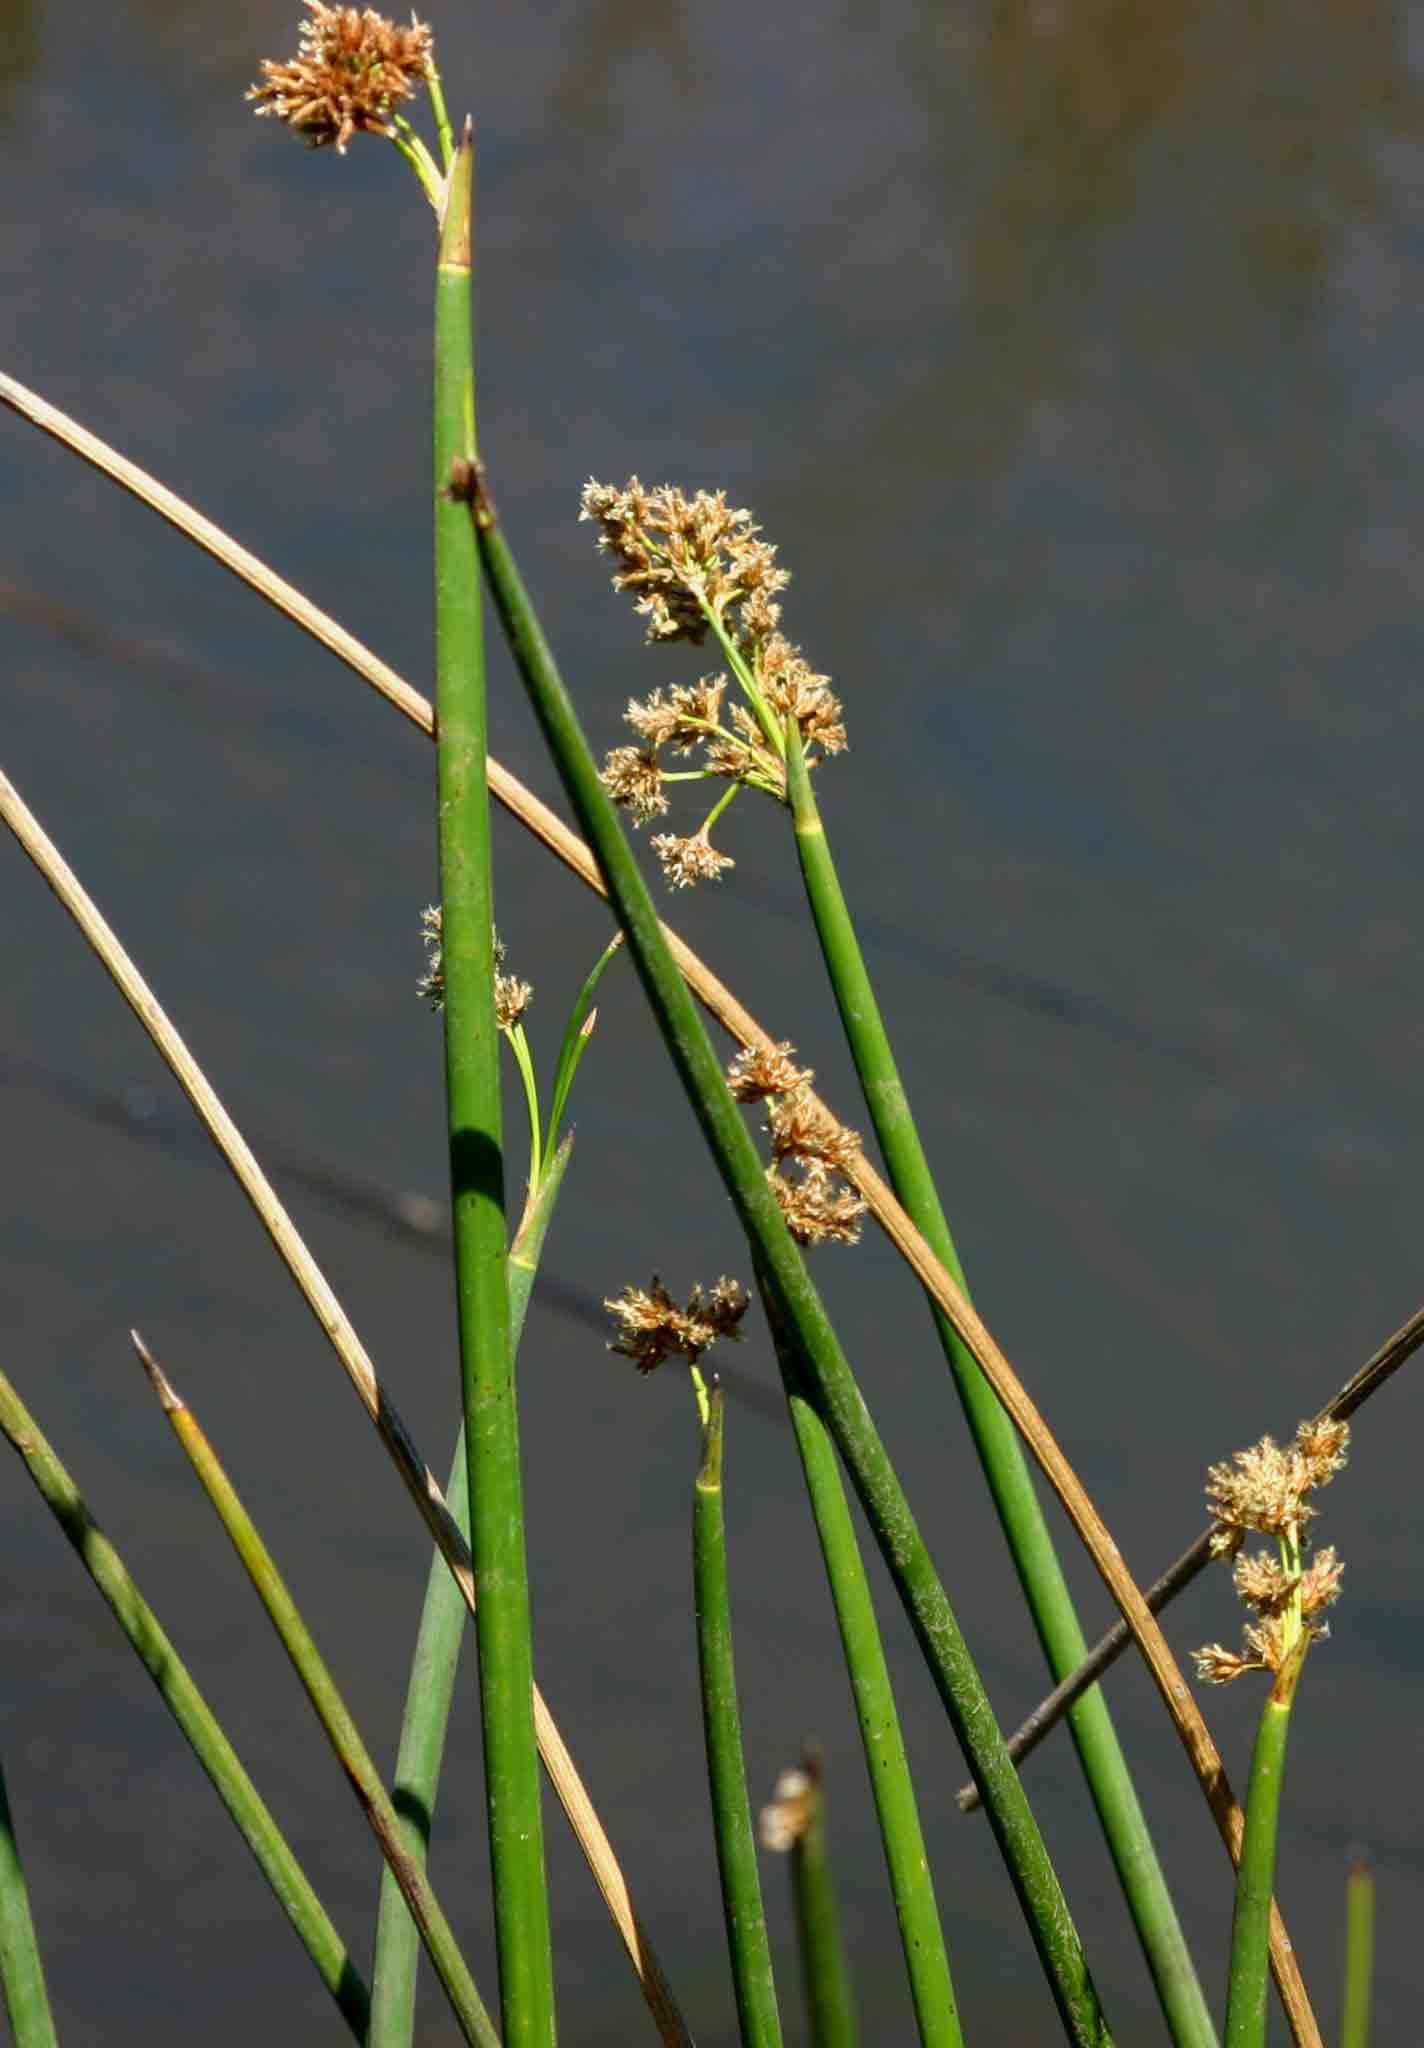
[[351, 67], [693, 565], [1265, 1488], [511, 996], [653, 1327]]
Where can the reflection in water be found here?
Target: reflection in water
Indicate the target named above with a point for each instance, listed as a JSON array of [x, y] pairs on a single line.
[[1263, 122], [20, 49]]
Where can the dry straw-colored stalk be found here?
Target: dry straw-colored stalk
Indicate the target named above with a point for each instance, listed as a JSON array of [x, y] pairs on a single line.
[[1171, 1684]]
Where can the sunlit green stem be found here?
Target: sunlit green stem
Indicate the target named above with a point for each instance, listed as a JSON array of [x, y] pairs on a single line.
[[1359, 1957], [575, 1042], [742, 1907], [22, 1975], [838, 1398], [190, 1710], [444, 132], [413, 149], [1000, 1452], [830, 2004], [321, 1689], [524, 1064], [887, 1766], [1248, 1977], [512, 1788], [430, 1689]]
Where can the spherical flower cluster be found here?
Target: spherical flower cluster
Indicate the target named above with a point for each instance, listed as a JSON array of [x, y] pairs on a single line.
[[350, 70]]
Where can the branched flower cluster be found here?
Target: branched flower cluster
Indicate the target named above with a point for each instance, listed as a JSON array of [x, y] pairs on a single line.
[[511, 997], [350, 70], [811, 1154], [696, 565], [1265, 1488], [683, 558], [653, 1327]]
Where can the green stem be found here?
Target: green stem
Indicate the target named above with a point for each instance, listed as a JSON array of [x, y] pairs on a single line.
[[888, 1767], [575, 1042], [838, 1398], [512, 1789], [21, 1970], [321, 1689], [413, 149], [1248, 1974], [431, 1686], [444, 133], [1000, 1452], [830, 2004], [747, 1940], [1359, 1957], [524, 1063], [190, 1710]]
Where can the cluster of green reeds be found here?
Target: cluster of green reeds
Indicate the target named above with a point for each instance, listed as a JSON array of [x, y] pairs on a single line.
[[355, 73]]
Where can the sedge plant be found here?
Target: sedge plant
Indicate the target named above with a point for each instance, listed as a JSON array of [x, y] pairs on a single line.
[[356, 73]]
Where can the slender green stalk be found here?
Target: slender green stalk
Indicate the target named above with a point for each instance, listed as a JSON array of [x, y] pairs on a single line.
[[742, 1905], [996, 1440], [21, 1971], [1359, 1956], [431, 1686], [830, 2010], [512, 1790], [321, 1689], [575, 1041], [830, 2005], [190, 1710], [1248, 1971], [836, 1394], [443, 130], [888, 1767]]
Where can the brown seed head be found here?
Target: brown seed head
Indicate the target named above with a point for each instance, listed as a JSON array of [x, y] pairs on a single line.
[[678, 554], [351, 67], [818, 1208], [653, 1327], [511, 998], [686, 862], [633, 779], [685, 719], [802, 1128], [759, 1071]]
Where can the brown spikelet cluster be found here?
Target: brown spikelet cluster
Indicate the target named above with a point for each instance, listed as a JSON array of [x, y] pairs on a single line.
[[1265, 1488], [678, 554], [652, 1327], [351, 68], [694, 565], [810, 1152], [511, 997]]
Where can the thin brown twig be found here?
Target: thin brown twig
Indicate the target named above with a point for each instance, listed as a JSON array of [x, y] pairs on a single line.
[[1181, 1707], [1193, 1560], [341, 1333]]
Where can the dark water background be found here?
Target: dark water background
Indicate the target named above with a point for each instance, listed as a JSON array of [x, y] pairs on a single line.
[[1071, 352]]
